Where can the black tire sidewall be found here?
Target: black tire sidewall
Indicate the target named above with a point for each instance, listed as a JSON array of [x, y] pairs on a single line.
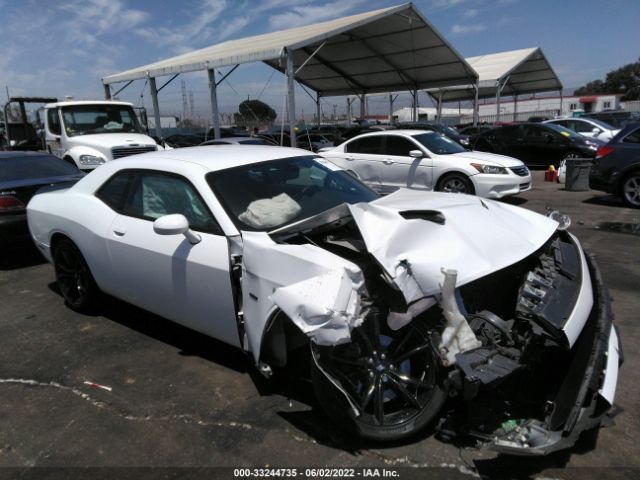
[[624, 181], [89, 300]]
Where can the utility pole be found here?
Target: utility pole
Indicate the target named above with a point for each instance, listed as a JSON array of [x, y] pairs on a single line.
[[184, 100]]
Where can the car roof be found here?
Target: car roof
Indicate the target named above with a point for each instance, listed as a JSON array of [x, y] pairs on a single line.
[[70, 103], [406, 133], [14, 154], [219, 157]]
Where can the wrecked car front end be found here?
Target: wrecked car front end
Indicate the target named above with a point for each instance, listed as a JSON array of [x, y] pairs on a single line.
[[413, 298]]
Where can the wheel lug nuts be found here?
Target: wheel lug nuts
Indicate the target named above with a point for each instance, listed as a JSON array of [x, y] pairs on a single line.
[[383, 356]]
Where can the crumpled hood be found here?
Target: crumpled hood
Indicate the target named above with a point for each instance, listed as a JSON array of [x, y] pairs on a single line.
[[478, 237], [501, 160]]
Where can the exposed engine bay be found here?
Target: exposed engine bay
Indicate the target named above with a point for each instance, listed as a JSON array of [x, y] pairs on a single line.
[[507, 344]]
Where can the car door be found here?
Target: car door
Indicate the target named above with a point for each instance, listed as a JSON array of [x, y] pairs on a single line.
[[400, 169], [364, 157], [509, 140], [166, 274], [543, 145]]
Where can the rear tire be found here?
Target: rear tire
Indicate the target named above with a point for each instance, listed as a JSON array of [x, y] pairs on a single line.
[[395, 381], [74, 278], [455, 183], [630, 189]]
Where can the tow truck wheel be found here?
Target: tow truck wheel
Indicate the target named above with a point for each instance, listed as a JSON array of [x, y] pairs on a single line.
[[392, 378]]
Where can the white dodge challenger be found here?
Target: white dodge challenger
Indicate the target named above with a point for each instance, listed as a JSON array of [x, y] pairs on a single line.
[[401, 301]]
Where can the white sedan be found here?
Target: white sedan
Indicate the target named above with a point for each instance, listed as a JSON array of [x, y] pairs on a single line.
[[587, 127], [398, 301], [428, 160]]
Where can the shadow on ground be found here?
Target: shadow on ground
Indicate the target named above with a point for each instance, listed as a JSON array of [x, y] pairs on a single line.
[[20, 255]]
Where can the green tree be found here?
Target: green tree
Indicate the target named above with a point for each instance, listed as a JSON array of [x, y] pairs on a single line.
[[257, 110], [624, 80]]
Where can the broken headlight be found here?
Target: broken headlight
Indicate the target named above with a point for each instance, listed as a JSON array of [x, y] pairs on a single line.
[[564, 221]]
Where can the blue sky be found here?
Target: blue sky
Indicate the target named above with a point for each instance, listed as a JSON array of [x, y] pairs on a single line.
[[64, 47]]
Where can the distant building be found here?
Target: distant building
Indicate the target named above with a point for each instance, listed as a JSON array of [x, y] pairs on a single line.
[[428, 114], [550, 106], [166, 121]]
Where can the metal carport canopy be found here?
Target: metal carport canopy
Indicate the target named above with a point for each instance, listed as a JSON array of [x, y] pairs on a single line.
[[505, 73], [511, 73], [386, 50]]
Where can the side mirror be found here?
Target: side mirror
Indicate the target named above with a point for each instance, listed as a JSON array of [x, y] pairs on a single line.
[[416, 154], [175, 224], [596, 131], [548, 138]]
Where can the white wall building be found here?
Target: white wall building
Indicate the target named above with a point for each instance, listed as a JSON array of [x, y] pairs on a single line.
[[428, 114], [549, 106]]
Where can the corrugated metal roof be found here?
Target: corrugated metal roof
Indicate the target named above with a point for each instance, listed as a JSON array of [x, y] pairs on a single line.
[[385, 50], [525, 71]]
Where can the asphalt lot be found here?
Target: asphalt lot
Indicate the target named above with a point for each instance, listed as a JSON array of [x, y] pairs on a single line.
[[179, 399]]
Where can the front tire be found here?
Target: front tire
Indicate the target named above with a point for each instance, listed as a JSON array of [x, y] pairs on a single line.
[[393, 378], [630, 190], [74, 278], [455, 183]]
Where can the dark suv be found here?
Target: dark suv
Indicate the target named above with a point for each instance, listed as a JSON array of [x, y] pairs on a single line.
[[616, 168]]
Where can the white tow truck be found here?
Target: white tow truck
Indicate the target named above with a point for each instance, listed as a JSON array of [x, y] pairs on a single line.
[[90, 133]]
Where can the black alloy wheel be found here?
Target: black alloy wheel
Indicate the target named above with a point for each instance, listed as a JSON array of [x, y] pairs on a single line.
[[393, 378], [74, 277]]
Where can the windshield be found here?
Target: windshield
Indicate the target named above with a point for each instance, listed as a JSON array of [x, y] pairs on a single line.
[[267, 195], [89, 119], [601, 124], [31, 167], [438, 143]]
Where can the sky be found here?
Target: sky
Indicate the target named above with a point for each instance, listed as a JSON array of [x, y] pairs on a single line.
[[64, 47]]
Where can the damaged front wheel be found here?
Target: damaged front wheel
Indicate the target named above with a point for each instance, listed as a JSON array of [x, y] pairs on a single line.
[[385, 384]]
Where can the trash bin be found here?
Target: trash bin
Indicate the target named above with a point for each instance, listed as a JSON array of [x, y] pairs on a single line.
[[577, 177]]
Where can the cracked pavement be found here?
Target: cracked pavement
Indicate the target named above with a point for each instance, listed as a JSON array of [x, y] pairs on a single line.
[[179, 399]]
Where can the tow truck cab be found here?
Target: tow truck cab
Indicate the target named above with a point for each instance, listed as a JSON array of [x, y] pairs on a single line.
[[90, 133]]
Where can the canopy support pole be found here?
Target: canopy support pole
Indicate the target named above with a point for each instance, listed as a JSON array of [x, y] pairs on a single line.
[[391, 100], [318, 112], [500, 86], [439, 110], [215, 118], [363, 112], [291, 96], [414, 106], [476, 106], [515, 107], [107, 91], [156, 108], [349, 114], [560, 112]]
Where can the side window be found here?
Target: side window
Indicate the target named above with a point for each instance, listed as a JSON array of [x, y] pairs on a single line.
[[399, 146], [582, 127], [114, 191], [534, 131], [633, 137], [370, 145], [156, 194], [54, 121]]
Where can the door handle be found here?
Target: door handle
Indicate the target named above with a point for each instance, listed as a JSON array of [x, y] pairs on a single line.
[[119, 231], [388, 162], [350, 158]]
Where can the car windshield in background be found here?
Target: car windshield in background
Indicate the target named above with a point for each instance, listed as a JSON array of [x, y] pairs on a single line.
[[438, 143], [563, 131], [602, 124], [31, 167], [88, 119], [266, 195]]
